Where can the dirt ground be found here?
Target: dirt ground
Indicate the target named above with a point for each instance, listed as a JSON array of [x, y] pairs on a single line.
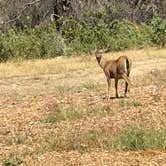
[[26, 100]]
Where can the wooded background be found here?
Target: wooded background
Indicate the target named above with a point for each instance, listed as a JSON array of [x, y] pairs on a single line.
[[48, 28], [34, 12]]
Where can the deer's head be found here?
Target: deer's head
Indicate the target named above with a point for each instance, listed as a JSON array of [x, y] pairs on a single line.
[[98, 55]]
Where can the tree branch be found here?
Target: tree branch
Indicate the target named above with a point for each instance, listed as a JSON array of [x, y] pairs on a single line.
[[23, 9]]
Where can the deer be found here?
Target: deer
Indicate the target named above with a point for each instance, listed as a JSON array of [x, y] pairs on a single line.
[[115, 69]]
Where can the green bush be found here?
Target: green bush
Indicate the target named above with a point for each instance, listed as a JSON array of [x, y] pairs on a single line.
[[5, 52], [159, 31], [114, 36], [44, 41], [40, 42]]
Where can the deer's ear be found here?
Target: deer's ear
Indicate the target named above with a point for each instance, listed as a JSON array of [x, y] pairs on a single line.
[[93, 52], [104, 50], [100, 51]]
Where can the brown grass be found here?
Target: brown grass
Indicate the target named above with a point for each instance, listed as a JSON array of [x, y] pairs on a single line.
[[62, 65], [60, 105]]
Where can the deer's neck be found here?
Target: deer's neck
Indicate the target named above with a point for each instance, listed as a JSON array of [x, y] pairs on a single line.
[[101, 61]]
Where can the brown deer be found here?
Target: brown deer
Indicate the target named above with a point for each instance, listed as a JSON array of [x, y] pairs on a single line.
[[116, 69]]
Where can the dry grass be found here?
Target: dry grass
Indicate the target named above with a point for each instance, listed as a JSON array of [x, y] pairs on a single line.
[[54, 110], [62, 65]]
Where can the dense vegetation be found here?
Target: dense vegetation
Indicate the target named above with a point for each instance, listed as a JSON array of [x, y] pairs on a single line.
[[44, 41], [76, 30]]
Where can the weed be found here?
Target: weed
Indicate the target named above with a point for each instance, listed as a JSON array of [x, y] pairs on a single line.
[[12, 160], [82, 141], [129, 102], [124, 102], [17, 140], [136, 103], [131, 138], [62, 89], [156, 97], [84, 88], [134, 138], [73, 113]]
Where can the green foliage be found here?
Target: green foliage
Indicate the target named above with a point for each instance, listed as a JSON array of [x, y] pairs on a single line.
[[134, 138], [115, 35], [159, 31], [40, 42], [44, 41]]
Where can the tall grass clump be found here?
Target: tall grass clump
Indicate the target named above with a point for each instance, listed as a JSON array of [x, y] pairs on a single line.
[[74, 113], [82, 141], [130, 139], [134, 138], [12, 160]]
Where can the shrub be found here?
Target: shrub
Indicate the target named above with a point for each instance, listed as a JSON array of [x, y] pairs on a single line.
[[44, 41], [40, 42], [159, 31], [114, 36]]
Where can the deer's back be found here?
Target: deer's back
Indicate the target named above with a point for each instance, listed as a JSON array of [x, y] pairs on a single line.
[[114, 68], [110, 68]]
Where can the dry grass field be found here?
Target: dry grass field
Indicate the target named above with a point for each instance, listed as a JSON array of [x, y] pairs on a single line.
[[55, 112]]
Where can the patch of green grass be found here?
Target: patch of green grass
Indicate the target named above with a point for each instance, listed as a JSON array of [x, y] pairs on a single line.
[[82, 141], [134, 139], [62, 89], [86, 140], [78, 89], [129, 139], [84, 88], [124, 102], [129, 102], [73, 113], [156, 97], [17, 140], [12, 160], [136, 103]]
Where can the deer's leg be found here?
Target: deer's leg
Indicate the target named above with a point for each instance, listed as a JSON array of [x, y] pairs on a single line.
[[116, 87], [126, 87], [109, 84], [126, 78], [128, 82]]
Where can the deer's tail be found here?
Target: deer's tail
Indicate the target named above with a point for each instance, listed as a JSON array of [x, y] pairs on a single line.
[[126, 78], [128, 65]]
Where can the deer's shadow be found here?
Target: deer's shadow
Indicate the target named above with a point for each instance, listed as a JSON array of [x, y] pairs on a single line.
[[113, 97]]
